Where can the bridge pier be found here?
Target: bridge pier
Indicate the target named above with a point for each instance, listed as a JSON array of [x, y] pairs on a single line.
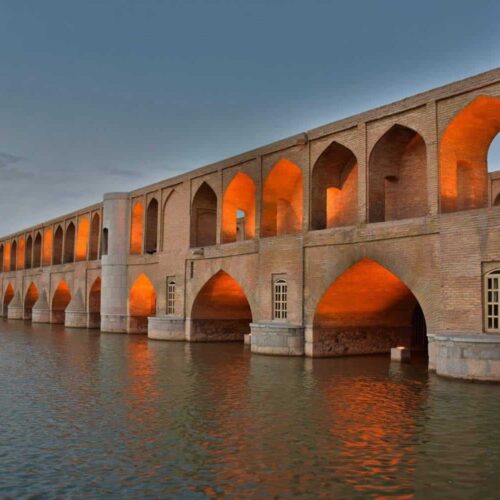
[[167, 328], [277, 338], [15, 310]]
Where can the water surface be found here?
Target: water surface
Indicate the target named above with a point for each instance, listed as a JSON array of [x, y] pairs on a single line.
[[89, 414]]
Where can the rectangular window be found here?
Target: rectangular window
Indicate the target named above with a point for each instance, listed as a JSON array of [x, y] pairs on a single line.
[[280, 298], [492, 300], [170, 295]]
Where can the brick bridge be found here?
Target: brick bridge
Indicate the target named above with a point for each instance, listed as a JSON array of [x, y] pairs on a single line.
[[378, 230]]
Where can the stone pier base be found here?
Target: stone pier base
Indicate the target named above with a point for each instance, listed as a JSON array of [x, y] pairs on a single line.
[[15, 313], [75, 319], [277, 338], [166, 328], [114, 323], [57, 317], [40, 316], [216, 330], [470, 357]]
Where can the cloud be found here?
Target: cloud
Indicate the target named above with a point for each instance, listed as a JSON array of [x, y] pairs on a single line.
[[7, 159]]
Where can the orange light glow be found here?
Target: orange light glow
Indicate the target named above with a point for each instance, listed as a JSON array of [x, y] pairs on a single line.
[[282, 200], [8, 295], [142, 297], [30, 299], [95, 296], [6, 257], [463, 155], [239, 195], [47, 247], [82, 237], [62, 297], [137, 228], [21, 247]]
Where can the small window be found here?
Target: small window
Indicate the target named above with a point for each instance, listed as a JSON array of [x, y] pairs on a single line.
[[280, 296], [170, 296], [492, 302], [104, 243]]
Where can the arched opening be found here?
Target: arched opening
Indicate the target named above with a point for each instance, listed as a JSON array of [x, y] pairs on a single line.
[[58, 246], [29, 300], [1, 258], [137, 228], [95, 229], [238, 209], [204, 217], [221, 311], [141, 304], [82, 238], [60, 301], [282, 200], [398, 176], [334, 190], [13, 256], [367, 310], [152, 227], [173, 225], [94, 320], [463, 155], [37, 251], [7, 298], [28, 252], [104, 244], [6, 256], [48, 246], [21, 249], [69, 243]]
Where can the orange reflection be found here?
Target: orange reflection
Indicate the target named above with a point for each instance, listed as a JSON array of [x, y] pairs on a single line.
[[239, 195], [137, 228], [47, 246], [142, 297], [82, 237], [282, 200], [463, 155]]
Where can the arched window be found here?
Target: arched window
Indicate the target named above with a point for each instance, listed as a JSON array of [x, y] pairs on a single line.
[[94, 238], [104, 244], [28, 252], [152, 227], [170, 296], [37, 251], [492, 301], [280, 299], [13, 256], [204, 217], [137, 228], [82, 238], [1, 258], [69, 243], [58, 246]]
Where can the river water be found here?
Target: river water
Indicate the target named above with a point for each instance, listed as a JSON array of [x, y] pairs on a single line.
[[89, 414]]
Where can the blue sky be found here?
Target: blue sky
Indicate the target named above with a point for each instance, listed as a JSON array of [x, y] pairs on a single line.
[[111, 95]]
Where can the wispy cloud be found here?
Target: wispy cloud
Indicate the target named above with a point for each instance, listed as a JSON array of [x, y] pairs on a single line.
[[7, 159]]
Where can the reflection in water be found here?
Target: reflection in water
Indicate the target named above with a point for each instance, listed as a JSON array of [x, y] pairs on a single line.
[[85, 414]]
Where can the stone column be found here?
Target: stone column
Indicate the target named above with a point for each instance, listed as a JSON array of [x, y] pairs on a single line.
[[75, 314], [41, 311], [15, 309], [114, 291]]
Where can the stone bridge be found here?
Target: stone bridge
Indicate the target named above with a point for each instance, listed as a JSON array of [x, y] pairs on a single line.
[[375, 231]]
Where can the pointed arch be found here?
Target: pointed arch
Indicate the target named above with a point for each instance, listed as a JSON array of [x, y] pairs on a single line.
[[221, 310], [463, 155], [6, 256], [60, 301], [57, 251], [94, 302], [282, 200], [7, 298], [95, 230], [21, 249], [204, 217], [141, 304], [151, 243], [28, 252], [367, 309], [137, 228], [238, 209], [69, 243], [173, 226], [334, 189], [2, 257], [82, 238], [30, 299], [37, 250], [398, 176], [13, 256]]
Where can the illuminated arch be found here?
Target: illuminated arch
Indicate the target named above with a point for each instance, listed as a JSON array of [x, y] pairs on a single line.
[[60, 301], [221, 310], [94, 304], [30, 299], [282, 200], [37, 251], [334, 190], [463, 155], [238, 209], [7, 298], [6, 256], [69, 243], [82, 238], [21, 249], [137, 228], [151, 242], [367, 309], [28, 252], [95, 229], [1, 257], [141, 304], [57, 251], [13, 256], [204, 217], [398, 176]]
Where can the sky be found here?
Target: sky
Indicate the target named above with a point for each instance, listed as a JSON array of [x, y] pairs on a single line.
[[112, 95]]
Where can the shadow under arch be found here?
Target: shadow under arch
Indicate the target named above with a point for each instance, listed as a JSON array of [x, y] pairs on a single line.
[[30, 299], [7, 298], [366, 310], [59, 303], [221, 311], [141, 304], [94, 304], [463, 154]]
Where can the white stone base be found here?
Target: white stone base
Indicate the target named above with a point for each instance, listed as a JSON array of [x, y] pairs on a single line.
[[280, 339], [15, 313], [114, 323], [40, 316], [465, 356], [166, 328], [400, 354], [247, 339], [75, 319]]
